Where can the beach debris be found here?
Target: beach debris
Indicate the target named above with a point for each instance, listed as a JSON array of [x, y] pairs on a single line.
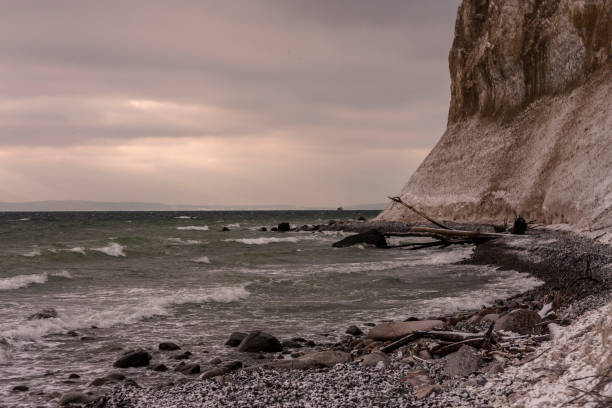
[[397, 330], [398, 200], [519, 227]]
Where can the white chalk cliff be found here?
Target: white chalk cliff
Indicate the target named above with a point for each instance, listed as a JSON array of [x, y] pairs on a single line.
[[530, 119]]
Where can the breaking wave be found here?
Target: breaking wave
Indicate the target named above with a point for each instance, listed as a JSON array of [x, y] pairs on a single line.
[[202, 259], [21, 281], [269, 240], [112, 249], [156, 305], [179, 241], [193, 228], [33, 252]]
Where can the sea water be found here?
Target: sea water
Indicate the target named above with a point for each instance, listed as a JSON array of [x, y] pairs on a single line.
[[122, 280]]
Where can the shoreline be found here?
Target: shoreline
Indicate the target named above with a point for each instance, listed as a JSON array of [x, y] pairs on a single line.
[[557, 258]]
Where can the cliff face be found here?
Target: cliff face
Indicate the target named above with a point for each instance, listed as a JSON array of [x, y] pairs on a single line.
[[530, 121]]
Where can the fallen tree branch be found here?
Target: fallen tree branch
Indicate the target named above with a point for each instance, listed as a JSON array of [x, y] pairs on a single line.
[[437, 335], [399, 201]]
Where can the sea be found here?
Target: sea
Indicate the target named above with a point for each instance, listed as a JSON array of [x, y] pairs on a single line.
[[121, 280]]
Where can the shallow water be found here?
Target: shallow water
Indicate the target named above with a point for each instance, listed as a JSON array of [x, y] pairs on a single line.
[[135, 279]]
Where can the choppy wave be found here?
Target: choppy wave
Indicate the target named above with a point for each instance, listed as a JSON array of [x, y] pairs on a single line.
[[33, 252], [448, 256], [202, 259], [269, 240], [193, 228], [21, 281], [112, 249], [179, 241], [156, 305]]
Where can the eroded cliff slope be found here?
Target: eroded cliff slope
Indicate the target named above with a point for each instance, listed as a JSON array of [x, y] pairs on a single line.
[[530, 120]]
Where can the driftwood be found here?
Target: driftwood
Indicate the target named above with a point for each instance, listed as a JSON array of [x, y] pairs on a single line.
[[399, 201], [434, 334]]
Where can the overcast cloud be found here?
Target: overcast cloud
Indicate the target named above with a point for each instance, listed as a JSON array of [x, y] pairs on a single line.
[[298, 102]]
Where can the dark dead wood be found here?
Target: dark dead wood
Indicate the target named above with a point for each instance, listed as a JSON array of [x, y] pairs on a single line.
[[451, 348], [411, 208], [437, 335]]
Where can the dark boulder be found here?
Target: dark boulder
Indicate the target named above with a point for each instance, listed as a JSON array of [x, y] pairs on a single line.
[[354, 331], [137, 358], [258, 341], [362, 218], [224, 229], [371, 237], [182, 356], [20, 388], [160, 367], [263, 229], [189, 369], [235, 339], [284, 227], [44, 314], [73, 375], [168, 346]]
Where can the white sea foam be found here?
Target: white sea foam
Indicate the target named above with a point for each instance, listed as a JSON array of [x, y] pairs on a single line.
[[183, 217], [148, 304], [236, 225], [202, 259], [193, 228], [21, 281], [179, 241], [63, 274], [78, 250], [448, 256], [268, 240], [112, 249], [33, 252]]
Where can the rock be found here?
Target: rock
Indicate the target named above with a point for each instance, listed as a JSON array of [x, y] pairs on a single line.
[[98, 382], [137, 358], [259, 341], [20, 388], [131, 383], [232, 365], [291, 344], [212, 373], [263, 229], [417, 378], [354, 331], [87, 338], [168, 346], [397, 330], [425, 391], [72, 333], [463, 362], [160, 367], [372, 359], [224, 229], [44, 314], [189, 369], [74, 397], [361, 218], [284, 227], [182, 356], [520, 321], [235, 339], [73, 375], [425, 355], [371, 237], [491, 317], [115, 377], [215, 361], [494, 368]]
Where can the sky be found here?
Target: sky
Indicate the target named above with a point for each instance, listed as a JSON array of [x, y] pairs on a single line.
[[293, 102]]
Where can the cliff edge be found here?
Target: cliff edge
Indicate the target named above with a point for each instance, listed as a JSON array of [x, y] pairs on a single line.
[[530, 119]]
